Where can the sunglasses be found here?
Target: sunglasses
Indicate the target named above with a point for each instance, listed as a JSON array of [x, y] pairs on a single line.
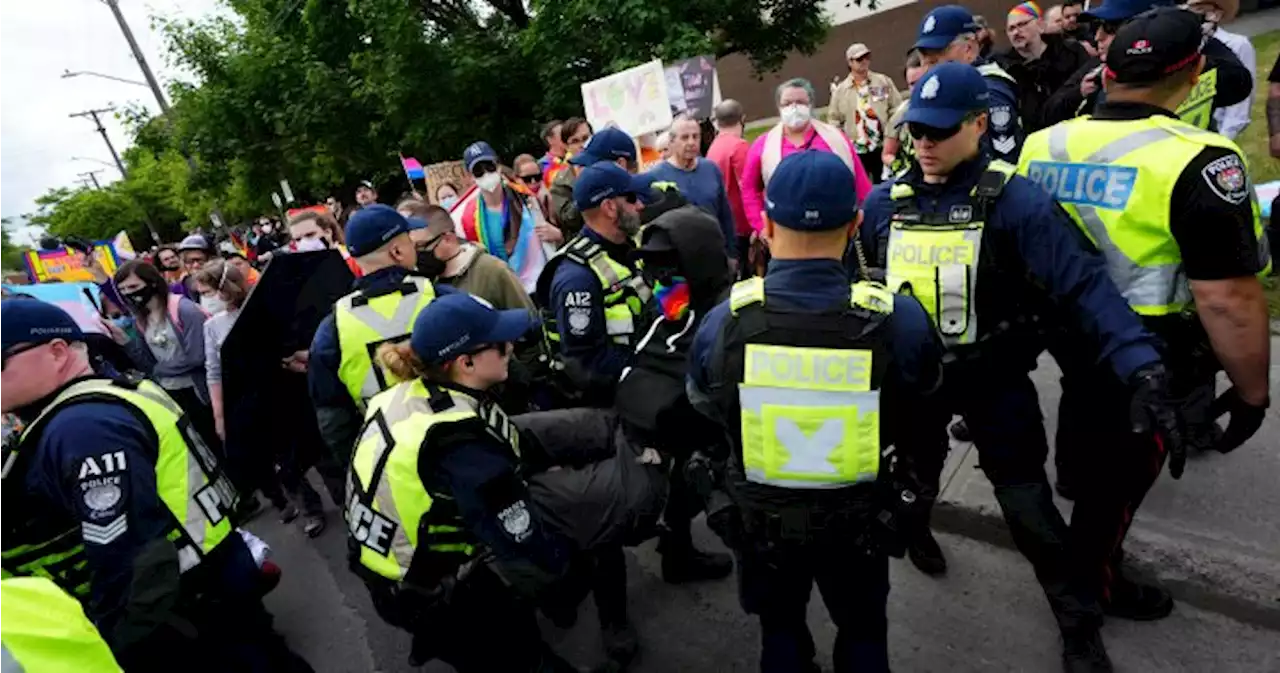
[[500, 347], [922, 132], [531, 179], [18, 350], [861, 58], [483, 167]]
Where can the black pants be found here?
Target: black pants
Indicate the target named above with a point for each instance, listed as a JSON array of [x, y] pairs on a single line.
[[1077, 564], [873, 165], [485, 628], [775, 580]]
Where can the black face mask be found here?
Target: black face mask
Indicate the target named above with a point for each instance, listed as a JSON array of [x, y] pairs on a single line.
[[429, 265], [139, 298]]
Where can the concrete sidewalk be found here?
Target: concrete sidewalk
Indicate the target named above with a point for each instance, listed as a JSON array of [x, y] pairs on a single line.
[[1213, 537]]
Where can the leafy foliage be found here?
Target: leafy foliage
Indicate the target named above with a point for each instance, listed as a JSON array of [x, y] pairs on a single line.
[[325, 93], [10, 252]]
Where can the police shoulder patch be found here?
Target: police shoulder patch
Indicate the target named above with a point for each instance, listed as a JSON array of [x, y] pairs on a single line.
[[579, 320], [1227, 178], [1001, 115], [516, 521]]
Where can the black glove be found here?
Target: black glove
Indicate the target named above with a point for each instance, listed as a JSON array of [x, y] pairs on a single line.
[[1152, 411], [1245, 419]]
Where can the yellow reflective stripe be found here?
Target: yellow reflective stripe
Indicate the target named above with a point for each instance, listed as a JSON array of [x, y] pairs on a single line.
[[387, 317], [871, 296], [746, 292], [808, 368], [900, 191], [795, 438], [618, 320]]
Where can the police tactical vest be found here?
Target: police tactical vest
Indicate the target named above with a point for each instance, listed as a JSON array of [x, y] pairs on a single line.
[[366, 320], [189, 480], [625, 290], [44, 629], [1197, 109], [390, 514], [1116, 179], [807, 410], [934, 256]]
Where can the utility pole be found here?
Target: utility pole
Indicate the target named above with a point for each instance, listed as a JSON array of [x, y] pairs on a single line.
[[91, 175], [137, 54], [93, 114]]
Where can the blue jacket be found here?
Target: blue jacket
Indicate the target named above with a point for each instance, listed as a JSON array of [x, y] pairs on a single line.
[[336, 412], [703, 187], [95, 462], [578, 302], [1004, 127], [821, 285], [1052, 250]]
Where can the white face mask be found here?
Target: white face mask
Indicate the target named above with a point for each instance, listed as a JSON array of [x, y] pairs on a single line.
[[795, 116], [448, 201], [213, 303], [489, 181], [310, 245]]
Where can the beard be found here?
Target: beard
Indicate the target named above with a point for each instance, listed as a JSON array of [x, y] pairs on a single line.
[[629, 223]]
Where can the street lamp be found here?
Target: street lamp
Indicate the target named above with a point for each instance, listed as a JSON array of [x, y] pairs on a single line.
[[68, 74]]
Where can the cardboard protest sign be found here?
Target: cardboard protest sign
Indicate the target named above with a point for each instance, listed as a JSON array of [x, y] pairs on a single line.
[[634, 100], [451, 172], [690, 86]]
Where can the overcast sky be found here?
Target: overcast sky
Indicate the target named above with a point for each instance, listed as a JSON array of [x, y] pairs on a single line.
[[38, 41]]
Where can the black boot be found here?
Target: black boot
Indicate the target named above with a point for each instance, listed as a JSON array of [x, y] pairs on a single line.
[[684, 563], [1083, 652], [620, 646], [960, 431], [926, 555], [1137, 601]]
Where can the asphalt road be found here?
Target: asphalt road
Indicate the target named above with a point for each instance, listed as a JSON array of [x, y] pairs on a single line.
[[987, 615]]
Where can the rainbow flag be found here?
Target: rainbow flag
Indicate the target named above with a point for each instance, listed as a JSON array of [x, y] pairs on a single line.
[[529, 255], [413, 168]]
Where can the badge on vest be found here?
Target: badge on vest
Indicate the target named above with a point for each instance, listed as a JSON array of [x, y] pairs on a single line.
[[960, 214], [1227, 178]]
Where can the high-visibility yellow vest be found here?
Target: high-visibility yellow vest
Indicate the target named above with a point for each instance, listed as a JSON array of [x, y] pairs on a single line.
[[1197, 108], [55, 554], [389, 512], [189, 480], [625, 290], [810, 417], [365, 321], [934, 256], [44, 630], [1116, 179]]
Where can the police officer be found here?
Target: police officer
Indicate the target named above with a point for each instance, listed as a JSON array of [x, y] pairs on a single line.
[[986, 252], [811, 375], [440, 518], [44, 629], [116, 486], [1226, 82], [1137, 180], [591, 285], [949, 33], [341, 373]]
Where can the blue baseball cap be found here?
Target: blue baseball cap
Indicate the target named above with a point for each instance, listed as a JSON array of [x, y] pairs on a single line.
[[372, 227], [605, 180], [943, 25], [811, 191], [477, 152], [610, 144], [416, 223], [947, 93], [32, 321], [458, 323], [1123, 10]]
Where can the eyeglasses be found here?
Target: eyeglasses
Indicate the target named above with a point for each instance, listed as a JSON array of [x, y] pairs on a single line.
[[483, 167], [429, 244], [1019, 26], [578, 140], [922, 132], [18, 350], [502, 348], [861, 58], [531, 179]]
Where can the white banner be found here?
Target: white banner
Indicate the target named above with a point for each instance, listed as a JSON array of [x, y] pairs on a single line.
[[634, 100]]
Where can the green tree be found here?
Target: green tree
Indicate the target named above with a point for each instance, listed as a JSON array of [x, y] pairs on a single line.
[[11, 254]]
